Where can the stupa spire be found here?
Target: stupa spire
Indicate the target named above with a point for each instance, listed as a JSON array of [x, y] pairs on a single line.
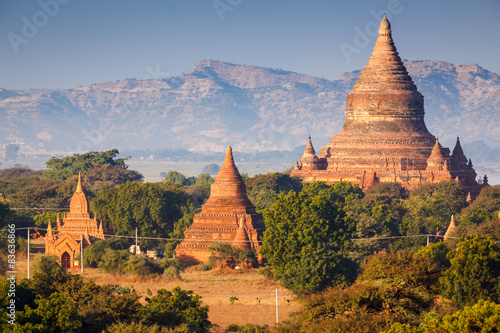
[[309, 148], [385, 66], [228, 187], [228, 170], [458, 156], [49, 230], [79, 185]]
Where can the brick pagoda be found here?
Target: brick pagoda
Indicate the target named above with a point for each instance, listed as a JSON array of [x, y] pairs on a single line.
[[65, 242], [384, 137], [227, 216]]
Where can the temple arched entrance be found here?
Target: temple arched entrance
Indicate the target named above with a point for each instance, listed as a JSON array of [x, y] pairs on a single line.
[[66, 260]]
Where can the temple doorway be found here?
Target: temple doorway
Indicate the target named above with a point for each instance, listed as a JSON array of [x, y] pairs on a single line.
[[66, 260]]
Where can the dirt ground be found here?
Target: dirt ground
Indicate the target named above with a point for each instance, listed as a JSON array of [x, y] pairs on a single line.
[[256, 294]]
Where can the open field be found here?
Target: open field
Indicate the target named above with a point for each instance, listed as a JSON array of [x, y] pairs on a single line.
[[215, 287]]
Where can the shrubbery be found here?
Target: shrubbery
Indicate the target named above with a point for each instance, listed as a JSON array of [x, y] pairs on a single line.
[[223, 254], [54, 301]]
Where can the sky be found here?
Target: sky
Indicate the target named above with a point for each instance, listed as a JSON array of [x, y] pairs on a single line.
[[70, 43]]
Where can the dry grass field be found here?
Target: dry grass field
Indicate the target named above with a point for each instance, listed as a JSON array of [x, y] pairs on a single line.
[[214, 286]]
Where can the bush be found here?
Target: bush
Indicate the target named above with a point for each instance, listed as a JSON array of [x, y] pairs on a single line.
[[482, 317], [175, 308], [143, 328], [171, 273], [143, 266], [205, 266], [223, 254], [247, 328]]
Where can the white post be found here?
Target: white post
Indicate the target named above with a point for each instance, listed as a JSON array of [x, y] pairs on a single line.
[[427, 240], [28, 253], [81, 251], [277, 320]]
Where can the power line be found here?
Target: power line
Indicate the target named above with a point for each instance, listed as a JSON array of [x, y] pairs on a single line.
[[232, 241], [40, 208]]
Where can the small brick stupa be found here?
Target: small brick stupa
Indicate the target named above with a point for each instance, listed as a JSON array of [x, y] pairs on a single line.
[[227, 216], [65, 242], [384, 137]]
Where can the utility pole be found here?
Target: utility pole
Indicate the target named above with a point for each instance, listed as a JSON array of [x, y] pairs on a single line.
[[81, 251], [277, 320], [28, 253]]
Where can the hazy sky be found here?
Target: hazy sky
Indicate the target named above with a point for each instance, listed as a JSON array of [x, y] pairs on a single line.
[[66, 43]]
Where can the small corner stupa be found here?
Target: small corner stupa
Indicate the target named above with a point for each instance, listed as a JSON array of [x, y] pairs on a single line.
[[384, 137], [452, 228], [75, 227], [227, 216]]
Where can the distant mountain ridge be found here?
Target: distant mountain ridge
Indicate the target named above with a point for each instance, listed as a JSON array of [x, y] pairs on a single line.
[[252, 108]]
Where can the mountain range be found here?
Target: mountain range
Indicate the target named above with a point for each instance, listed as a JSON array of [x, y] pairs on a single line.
[[254, 109]]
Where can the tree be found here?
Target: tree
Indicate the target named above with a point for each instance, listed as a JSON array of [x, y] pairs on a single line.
[[29, 191], [152, 208], [485, 207], [430, 207], [262, 190], [48, 276], [437, 252], [307, 239], [474, 273], [204, 179], [402, 269], [488, 228], [52, 314], [176, 178], [380, 211], [95, 253], [62, 168], [180, 226], [107, 176]]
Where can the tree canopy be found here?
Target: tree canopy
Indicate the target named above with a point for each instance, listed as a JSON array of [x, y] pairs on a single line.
[[62, 168], [307, 239], [152, 208], [485, 207], [262, 190], [474, 273], [430, 206]]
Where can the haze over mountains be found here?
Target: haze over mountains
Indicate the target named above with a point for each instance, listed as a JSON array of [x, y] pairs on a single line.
[[252, 108]]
